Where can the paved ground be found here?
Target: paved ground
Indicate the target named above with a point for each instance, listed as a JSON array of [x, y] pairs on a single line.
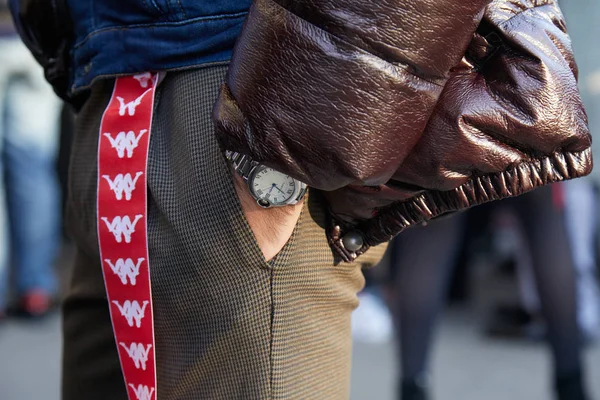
[[466, 366]]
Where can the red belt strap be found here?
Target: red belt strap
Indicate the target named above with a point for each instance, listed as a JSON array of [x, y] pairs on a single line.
[[122, 228]]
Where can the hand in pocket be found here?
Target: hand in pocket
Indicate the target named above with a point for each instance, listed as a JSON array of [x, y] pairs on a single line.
[[272, 227]]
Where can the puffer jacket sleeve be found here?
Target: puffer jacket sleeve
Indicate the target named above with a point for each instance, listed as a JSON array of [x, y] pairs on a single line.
[[337, 92], [510, 119]]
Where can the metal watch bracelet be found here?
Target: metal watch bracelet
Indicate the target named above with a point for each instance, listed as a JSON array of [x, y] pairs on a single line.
[[242, 164]]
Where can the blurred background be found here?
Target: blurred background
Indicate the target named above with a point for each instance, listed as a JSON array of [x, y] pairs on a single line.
[[500, 302]]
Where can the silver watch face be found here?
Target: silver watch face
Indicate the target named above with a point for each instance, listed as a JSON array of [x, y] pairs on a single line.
[[271, 187]]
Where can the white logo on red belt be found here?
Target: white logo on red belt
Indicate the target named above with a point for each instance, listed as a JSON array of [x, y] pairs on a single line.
[[132, 311], [125, 142], [123, 184], [122, 227], [138, 353], [131, 106], [142, 392], [144, 79], [121, 212], [125, 269]]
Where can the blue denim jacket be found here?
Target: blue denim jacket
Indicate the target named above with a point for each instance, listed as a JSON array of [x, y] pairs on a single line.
[[127, 36]]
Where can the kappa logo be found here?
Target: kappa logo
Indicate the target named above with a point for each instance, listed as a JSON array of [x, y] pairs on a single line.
[[125, 142], [142, 392], [126, 269], [123, 184], [144, 79], [130, 107], [132, 311], [122, 227], [138, 353]]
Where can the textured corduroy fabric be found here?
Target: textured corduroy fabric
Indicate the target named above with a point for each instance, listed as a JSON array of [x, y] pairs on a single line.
[[228, 324]]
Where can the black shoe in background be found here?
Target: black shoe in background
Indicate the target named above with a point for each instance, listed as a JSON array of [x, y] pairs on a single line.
[[570, 387], [414, 390], [514, 322]]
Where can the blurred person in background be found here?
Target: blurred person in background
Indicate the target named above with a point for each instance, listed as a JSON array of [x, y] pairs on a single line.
[[581, 212], [421, 262], [579, 205], [583, 19], [29, 196], [423, 258]]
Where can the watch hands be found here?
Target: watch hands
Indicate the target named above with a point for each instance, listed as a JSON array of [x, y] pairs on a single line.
[[274, 186]]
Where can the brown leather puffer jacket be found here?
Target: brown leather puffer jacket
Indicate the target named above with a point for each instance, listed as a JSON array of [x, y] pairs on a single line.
[[401, 111]]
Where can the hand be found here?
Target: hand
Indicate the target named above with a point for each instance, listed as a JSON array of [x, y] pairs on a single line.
[[272, 227]]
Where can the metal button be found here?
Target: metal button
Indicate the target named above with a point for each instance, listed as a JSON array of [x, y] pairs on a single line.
[[353, 241]]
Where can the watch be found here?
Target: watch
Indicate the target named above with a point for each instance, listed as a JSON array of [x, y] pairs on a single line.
[[268, 186]]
